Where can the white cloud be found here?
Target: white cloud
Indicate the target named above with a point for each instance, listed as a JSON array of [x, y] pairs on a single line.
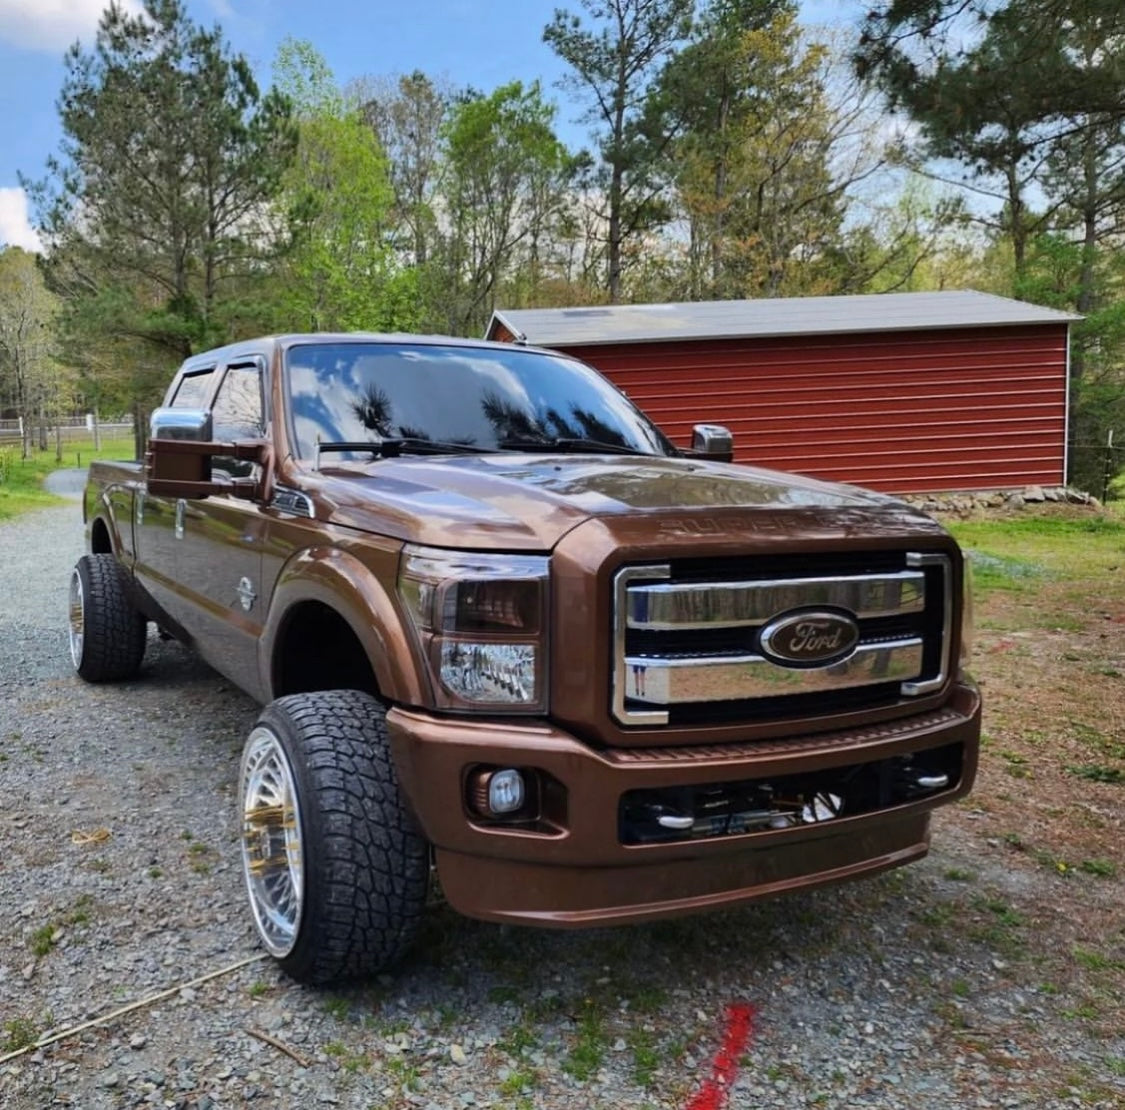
[[52, 24], [15, 227]]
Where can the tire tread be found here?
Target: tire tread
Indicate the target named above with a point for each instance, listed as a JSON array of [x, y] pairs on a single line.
[[114, 631], [366, 887]]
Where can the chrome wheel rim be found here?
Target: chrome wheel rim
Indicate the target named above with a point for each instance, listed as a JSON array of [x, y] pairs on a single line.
[[77, 619], [272, 855]]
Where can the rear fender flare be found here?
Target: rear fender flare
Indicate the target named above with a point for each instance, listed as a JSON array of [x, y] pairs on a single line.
[[102, 510]]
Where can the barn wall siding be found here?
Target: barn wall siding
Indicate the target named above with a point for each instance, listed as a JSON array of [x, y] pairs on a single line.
[[979, 408]]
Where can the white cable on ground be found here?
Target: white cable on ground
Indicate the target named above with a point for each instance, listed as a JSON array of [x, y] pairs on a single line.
[[94, 1022]]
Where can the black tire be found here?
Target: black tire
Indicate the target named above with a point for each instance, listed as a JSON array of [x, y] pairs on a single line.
[[336, 888], [107, 631]]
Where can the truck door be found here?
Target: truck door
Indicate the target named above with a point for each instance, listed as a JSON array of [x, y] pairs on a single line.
[[220, 553], [158, 522]]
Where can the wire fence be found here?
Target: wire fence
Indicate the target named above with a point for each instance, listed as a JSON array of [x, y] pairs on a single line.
[[1096, 467], [68, 430]]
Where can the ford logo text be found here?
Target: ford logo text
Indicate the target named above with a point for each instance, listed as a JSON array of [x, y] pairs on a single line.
[[809, 638]]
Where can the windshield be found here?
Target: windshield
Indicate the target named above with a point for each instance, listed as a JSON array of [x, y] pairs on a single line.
[[472, 397]]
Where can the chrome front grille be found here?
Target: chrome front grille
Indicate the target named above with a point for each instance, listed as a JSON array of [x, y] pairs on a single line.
[[684, 643]]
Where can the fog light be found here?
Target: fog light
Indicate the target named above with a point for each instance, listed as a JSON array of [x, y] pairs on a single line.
[[506, 791]]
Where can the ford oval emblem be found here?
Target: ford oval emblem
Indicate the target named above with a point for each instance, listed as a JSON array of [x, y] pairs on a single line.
[[809, 638]]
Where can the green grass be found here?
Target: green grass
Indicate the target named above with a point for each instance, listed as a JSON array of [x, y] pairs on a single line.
[[21, 480], [1096, 772], [1101, 868], [646, 1058], [43, 940], [19, 1033], [1017, 553], [588, 1048]]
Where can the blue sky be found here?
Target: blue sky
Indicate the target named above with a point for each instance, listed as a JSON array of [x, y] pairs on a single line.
[[470, 43]]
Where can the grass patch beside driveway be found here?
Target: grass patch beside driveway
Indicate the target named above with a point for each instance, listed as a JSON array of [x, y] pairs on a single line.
[[21, 480]]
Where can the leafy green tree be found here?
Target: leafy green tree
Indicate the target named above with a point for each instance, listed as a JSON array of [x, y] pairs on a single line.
[[27, 312], [712, 85], [1055, 273], [504, 190], [408, 117], [339, 272], [1003, 88], [1029, 94], [170, 155], [615, 54], [773, 144]]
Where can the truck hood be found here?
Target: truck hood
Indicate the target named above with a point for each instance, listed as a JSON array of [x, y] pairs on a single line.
[[529, 502]]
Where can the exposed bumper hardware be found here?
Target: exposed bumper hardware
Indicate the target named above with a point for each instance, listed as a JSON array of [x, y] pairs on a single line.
[[730, 808]]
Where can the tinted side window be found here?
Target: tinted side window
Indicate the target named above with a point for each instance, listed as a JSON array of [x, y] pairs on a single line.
[[192, 391], [237, 414]]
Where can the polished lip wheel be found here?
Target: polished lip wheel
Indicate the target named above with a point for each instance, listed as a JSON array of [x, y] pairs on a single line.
[[77, 622], [272, 857]]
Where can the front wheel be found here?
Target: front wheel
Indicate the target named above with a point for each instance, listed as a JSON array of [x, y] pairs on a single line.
[[107, 633], [336, 868]]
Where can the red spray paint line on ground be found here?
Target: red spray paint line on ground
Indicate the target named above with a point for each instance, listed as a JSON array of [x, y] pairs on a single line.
[[724, 1068]]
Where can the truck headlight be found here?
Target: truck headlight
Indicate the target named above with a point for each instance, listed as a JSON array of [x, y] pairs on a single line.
[[480, 622]]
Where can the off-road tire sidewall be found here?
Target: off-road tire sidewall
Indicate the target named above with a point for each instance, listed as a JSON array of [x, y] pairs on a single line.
[[365, 863], [113, 630]]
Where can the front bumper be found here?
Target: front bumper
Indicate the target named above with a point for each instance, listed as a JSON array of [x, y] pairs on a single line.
[[575, 870]]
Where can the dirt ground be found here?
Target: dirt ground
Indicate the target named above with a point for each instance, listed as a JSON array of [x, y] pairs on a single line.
[[1047, 816]]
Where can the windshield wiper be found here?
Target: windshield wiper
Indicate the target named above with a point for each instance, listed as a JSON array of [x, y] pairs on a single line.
[[569, 443], [390, 446]]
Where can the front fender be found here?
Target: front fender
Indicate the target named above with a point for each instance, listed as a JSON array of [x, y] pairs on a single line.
[[352, 590]]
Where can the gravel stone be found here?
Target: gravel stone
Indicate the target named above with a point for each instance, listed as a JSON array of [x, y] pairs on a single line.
[[871, 996]]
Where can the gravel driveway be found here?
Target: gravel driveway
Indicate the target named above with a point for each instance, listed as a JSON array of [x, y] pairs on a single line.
[[119, 879]]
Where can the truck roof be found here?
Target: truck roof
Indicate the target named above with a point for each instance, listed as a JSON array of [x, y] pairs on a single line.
[[269, 344]]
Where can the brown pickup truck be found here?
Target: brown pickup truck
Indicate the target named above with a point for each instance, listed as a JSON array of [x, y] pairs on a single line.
[[502, 627]]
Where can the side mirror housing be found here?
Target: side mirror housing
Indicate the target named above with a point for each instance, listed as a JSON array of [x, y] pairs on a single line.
[[192, 425], [178, 461], [712, 441]]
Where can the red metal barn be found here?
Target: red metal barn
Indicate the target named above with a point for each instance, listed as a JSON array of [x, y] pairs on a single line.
[[903, 392]]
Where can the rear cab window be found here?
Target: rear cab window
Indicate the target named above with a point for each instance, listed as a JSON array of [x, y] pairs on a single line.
[[193, 389]]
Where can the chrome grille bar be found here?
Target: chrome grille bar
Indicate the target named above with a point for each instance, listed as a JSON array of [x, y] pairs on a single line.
[[669, 606], [688, 679]]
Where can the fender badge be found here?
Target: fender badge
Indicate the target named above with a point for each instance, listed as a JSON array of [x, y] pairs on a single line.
[[246, 595]]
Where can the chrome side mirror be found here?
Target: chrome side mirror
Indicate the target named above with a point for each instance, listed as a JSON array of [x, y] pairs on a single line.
[[712, 441], [192, 425]]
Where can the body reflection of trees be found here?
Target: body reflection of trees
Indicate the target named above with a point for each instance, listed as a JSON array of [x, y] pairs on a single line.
[[373, 410], [512, 422]]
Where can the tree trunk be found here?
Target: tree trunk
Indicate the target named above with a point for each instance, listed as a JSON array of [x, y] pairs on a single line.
[[1016, 212], [614, 282], [1085, 302], [140, 438], [719, 228]]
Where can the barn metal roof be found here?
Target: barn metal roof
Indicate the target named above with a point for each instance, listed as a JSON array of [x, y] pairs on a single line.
[[875, 312]]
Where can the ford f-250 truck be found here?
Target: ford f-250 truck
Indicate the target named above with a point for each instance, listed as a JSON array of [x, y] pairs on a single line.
[[503, 628]]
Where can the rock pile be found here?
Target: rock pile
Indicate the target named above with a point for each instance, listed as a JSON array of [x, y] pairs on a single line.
[[963, 503]]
